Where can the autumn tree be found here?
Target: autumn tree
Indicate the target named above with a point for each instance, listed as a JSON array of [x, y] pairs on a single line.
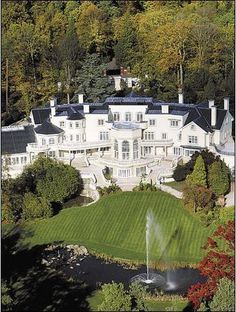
[[217, 264]]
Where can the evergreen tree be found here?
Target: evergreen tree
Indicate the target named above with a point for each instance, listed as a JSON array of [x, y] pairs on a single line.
[[91, 82], [198, 176], [218, 178]]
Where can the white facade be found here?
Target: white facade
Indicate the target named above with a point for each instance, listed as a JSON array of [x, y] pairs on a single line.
[[129, 134]]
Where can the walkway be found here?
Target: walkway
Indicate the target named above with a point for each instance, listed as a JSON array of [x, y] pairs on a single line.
[[230, 197]]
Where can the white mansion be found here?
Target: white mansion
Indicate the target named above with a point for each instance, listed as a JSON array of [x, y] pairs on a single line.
[[127, 134]]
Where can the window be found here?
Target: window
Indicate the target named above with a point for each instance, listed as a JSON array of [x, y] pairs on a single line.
[[152, 122], [192, 139], [25, 159], [124, 173], [147, 150], [180, 136], [116, 152], [51, 141], [62, 124], [140, 171], [127, 116], [77, 137], [164, 136], [100, 122], [139, 117], [125, 150], [189, 152], [13, 161], [116, 117], [71, 125], [17, 160], [71, 137], [77, 125], [192, 127], [103, 136], [177, 151], [43, 141], [149, 136], [174, 123], [83, 123], [135, 149]]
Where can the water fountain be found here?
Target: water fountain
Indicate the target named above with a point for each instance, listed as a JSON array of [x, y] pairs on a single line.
[[154, 280]]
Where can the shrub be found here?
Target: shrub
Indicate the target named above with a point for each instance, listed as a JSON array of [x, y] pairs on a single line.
[[223, 299], [145, 187], [111, 189], [36, 207]]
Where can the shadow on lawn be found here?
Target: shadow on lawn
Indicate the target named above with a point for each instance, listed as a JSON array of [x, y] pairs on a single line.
[[35, 287]]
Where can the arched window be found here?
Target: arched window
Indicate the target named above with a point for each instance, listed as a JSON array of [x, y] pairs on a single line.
[[135, 149], [116, 153], [125, 150]]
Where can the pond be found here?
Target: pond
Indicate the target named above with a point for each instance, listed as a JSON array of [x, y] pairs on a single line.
[[95, 271], [77, 201]]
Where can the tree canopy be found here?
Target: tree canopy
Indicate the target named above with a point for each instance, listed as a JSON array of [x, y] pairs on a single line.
[[168, 45]]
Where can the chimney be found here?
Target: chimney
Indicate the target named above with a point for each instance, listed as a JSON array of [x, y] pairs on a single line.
[[165, 109], [81, 98], [86, 108], [181, 96], [53, 103], [213, 115], [226, 103], [211, 103]]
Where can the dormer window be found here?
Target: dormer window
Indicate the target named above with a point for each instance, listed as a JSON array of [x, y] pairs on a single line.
[[71, 125], [100, 122], [62, 124]]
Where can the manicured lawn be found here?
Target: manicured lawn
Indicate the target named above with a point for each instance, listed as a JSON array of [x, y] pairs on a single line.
[[176, 185], [115, 226], [152, 305]]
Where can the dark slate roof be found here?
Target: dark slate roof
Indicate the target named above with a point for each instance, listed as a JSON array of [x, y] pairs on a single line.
[[76, 116], [15, 139], [47, 128], [40, 114], [206, 113]]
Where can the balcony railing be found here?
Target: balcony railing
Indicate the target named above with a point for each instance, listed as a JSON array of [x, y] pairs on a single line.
[[156, 142]]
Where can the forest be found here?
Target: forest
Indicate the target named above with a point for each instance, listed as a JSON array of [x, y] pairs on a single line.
[[60, 48]]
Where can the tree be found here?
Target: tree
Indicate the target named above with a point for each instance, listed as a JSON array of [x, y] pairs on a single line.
[[198, 176], [218, 178], [138, 292], [6, 299], [218, 263], [35, 207], [197, 198], [223, 299], [91, 82], [115, 298], [92, 29], [126, 36]]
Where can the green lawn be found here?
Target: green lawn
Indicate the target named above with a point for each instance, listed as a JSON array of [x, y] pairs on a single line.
[[115, 226], [152, 305], [176, 185]]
